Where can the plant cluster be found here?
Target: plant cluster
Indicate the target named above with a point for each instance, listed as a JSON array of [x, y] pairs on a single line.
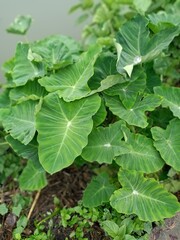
[[114, 101]]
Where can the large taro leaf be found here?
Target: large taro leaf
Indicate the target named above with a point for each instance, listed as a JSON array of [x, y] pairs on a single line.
[[135, 115], [33, 176], [71, 82], [63, 129], [134, 45], [20, 123], [171, 98], [24, 69], [167, 143], [103, 144], [98, 191], [138, 153], [57, 51], [32, 90], [143, 197], [128, 91]]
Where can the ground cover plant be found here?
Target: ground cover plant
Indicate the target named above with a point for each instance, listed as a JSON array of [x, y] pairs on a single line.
[[111, 101]]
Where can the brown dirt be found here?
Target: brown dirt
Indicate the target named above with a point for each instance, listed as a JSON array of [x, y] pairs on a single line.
[[67, 186]]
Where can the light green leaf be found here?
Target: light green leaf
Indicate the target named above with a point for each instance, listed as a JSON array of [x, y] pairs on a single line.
[[143, 197], [98, 191], [20, 123], [142, 5], [57, 51], [111, 228], [31, 91], [128, 91], [162, 19], [138, 153], [135, 115], [25, 70], [71, 82], [4, 99], [103, 144], [134, 45], [100, 116], [63, 129], [3, 209], [20, 25], [167, 143], [33, 176], [170, 98]]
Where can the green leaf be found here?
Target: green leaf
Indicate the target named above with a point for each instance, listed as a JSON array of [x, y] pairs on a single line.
[[167, 142], [71, 82], [33, 176], [142, 5], [100, 116], [24, 69], [134, 45], [111, 228], [31, 91], [56, 51], [20, 123], [143, 197], [170, 98], [138, 153], [162, 19], [136, 115], [3, 209], [98, 191], [4, 99], [17, 210], [128, 91], [63, 130], [105, 65], [103, 144], [20, 25]]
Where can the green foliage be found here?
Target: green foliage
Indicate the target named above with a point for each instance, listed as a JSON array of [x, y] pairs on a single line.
[[100, 101], [20, 25]]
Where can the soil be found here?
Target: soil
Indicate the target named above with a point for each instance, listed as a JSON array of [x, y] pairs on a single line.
[[67, 186]]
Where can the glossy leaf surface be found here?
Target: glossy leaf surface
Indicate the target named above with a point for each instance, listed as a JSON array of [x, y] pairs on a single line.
[[143, 197], [63, 130], [167, 143], [71, 82], [103, 144], [20, 123]]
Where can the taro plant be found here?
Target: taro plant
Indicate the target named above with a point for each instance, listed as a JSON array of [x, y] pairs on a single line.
[[107, 103]]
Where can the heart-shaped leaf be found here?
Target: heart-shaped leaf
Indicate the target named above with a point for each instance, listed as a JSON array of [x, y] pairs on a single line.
[[138, 153], [98, 191], [143, 197], [134, 45], [103, 144], [135, 115], [63, 129], [167, 143]]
